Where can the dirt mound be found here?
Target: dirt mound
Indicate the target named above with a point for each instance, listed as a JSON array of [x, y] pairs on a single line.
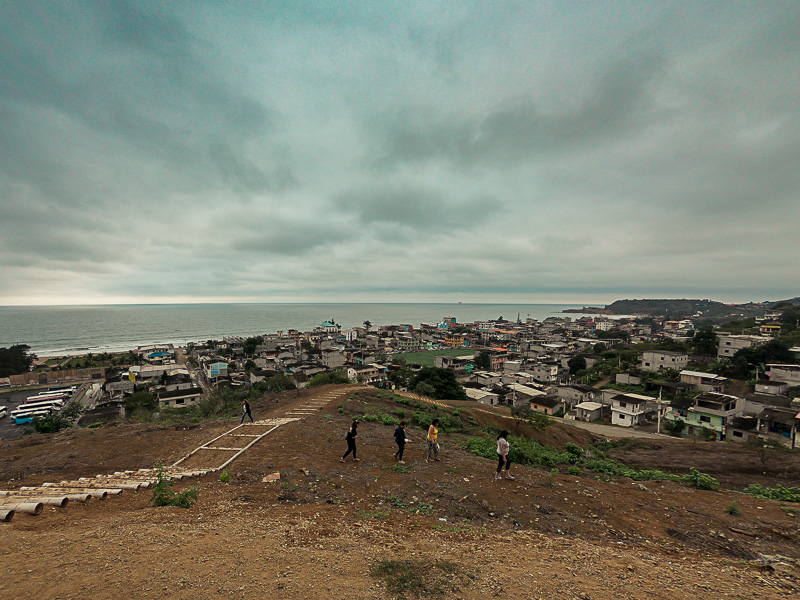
[[359, 530]]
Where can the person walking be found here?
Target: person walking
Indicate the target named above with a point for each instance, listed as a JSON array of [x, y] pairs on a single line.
[[433, 441], [401, 439], [503, 447], [246, 412], [351, 436]]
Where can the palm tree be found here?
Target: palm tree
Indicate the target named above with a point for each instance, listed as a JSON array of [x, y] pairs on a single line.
[[367, 325]]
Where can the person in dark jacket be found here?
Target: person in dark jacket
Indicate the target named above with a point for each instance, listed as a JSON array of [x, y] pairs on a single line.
[[401, 439], [351, 436], [246, 412]]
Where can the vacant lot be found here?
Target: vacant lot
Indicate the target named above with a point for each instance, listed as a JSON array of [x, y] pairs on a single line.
[[355, 530]]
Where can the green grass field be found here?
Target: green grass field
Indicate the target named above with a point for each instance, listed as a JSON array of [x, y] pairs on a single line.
[[427, 357]]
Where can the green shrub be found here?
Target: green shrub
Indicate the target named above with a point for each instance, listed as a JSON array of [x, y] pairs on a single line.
[[574, 471], [779, 492], [700, 480], [163, 495], [733, 509], [225, 476]]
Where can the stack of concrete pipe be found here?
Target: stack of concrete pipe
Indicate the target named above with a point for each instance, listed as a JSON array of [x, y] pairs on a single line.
[[32, 499]]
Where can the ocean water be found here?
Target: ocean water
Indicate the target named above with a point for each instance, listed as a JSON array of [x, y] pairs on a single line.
[[58, 330]]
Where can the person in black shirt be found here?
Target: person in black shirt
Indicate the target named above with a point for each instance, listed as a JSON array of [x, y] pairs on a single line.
[[351, 436], [401, 439]]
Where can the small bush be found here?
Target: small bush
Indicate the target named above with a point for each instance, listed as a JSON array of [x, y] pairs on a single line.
[[574, 471], [700, 480], [225, 476], [733, 509], [163, 495]]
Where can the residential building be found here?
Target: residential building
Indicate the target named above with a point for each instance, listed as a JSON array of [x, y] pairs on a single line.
[[590, 411], [629, 410], [482, 396], [780, 424], [655, 360], [786, 373], [572, 395], [549, 405], [711, 412], [728, 345], [706, 382]]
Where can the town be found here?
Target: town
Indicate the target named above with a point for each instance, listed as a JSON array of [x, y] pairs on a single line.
[[737, 381]]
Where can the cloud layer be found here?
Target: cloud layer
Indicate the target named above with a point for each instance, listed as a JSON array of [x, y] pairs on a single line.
[[398, 151]]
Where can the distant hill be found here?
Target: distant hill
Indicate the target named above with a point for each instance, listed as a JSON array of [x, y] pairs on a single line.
[[683, 308]]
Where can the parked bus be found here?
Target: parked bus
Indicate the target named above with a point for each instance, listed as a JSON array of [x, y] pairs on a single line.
[[48, 406], [31, 399], [3, 411], [27, 416], [66, 390], [57, 403]]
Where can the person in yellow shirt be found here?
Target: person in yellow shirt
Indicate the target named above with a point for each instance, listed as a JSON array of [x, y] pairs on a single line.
[[433, 443]]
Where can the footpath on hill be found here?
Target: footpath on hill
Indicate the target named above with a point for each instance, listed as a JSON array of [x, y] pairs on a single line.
[[354, 530]]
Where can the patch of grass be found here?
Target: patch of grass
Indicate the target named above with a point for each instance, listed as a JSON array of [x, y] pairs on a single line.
[[163, 495], [733, 509], [533, 454], [377, 514], [420, 508], [419, 578], [452, 528], [398, 468], [225, 476]]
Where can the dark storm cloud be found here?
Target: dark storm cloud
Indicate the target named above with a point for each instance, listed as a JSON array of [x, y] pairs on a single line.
[[201, 149]]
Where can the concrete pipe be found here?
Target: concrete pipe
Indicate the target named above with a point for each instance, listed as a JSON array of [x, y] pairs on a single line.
[[30, 508], [111, 491], [101, 494], [6, 515], [57, 501], [99, 483]]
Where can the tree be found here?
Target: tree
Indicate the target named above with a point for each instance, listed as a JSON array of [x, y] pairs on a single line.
[[250, 345], [675, 427], [249, 365], [15, 360], [367, 325], [705, 341], [483, 361], [443, 381], [576, 363], [337, 376], [141, 400]]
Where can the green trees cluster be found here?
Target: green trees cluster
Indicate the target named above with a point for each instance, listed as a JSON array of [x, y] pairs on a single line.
[[439, 384], [15, 360]]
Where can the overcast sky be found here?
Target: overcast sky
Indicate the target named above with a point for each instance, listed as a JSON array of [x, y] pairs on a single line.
[[398, 151]]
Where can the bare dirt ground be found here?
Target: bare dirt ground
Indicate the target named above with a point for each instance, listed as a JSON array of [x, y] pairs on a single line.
[[323, 528]]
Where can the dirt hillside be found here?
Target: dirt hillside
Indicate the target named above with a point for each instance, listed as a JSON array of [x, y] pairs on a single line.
[[354, 530]]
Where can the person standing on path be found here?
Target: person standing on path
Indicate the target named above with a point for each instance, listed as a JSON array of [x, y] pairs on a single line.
[[246, 412], [401, 439], [433, 441], [351, 436], [503, 447]]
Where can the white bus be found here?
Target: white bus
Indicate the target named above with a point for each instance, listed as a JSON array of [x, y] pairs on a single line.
[[66, 390], [3, 411], [59, 396], [47, 405]]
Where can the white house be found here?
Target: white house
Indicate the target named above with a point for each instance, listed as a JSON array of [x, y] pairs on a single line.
[[628, 410]]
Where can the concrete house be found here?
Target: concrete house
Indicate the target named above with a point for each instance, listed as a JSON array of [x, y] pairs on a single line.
[[482, 396], [629, 410], [780, 424], [549, 405], [785, 373], [706, 382], [728, 345], [655, 360], [590, 411], [710, 411], [572, 395]]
